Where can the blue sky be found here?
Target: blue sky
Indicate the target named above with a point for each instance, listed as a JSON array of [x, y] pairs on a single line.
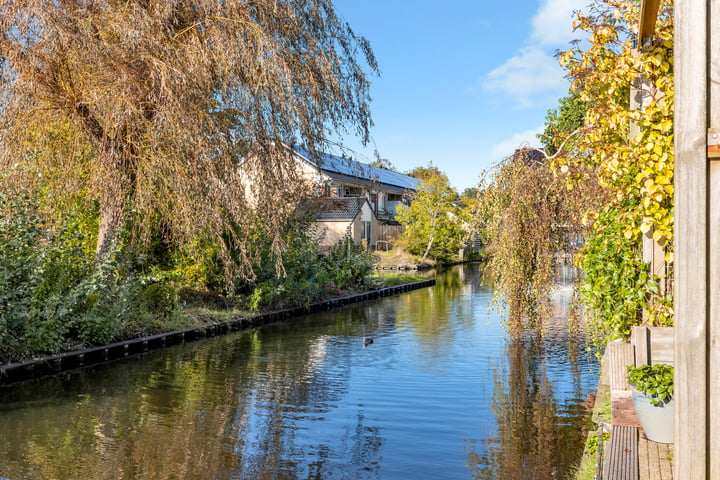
[[463, 83]]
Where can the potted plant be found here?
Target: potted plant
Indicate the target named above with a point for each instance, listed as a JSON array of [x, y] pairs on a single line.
[[653, 400]]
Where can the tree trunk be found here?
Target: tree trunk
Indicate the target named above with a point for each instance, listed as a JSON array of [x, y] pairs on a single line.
[[429, 246], [119, 186], [112, 210], [117, 156], [432, 235]]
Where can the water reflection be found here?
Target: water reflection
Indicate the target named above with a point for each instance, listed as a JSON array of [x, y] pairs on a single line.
[[306, 400], [538, 437], [217, 410]]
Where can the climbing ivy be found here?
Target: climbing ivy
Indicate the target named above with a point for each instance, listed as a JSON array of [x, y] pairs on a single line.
[[636, 169]]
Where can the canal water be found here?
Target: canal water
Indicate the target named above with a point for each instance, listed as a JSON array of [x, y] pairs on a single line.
[[441, 393]]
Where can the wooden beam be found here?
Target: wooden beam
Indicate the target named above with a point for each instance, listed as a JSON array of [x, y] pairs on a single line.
[[648, 16], [713, 80], [691, 241]]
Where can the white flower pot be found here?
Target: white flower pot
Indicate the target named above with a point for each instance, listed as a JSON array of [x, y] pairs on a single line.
[[655, 420]]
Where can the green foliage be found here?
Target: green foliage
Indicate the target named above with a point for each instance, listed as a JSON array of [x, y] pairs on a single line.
[[655, 381], [52, 293], [562, 122], [348, 265], [468, 196], [300, 279], [586, 470], [435, 223], [307, 274], [616, 282], [593, 442], [383, 163], [425, 173], [22, 261]]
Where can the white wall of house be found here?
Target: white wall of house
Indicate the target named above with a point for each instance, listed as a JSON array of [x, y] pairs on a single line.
[[333, 232], [365, 217]]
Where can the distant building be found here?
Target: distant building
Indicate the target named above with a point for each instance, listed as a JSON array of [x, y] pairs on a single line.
[[344, 217], [338, 177], [345, 195]]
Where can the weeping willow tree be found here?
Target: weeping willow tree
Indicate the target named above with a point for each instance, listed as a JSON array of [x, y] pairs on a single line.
[[526, 216], [156, 108]]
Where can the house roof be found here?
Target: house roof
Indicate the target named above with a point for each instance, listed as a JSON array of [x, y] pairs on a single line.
[[337, 209], [351, 170]]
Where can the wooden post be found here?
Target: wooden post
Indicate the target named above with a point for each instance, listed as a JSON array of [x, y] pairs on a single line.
[[696, 455], [620, 355], [713, 377], [648, 16], [640, 339]]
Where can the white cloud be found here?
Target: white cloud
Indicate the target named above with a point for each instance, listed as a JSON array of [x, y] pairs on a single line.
[[522, 77], [510, 144], [552, 24], [533, 73]]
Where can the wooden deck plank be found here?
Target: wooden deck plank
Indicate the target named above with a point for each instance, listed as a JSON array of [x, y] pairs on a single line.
[[666, 467], [654, 459], [621, 459], [643, 464]]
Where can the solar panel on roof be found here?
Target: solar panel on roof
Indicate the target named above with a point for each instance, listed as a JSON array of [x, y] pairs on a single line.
[[346, 166]]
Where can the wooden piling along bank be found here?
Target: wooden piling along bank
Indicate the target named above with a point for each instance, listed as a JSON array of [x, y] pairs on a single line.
[[53, 364]]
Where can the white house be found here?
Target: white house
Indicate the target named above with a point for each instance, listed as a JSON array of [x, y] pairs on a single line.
[[345, 217], [339, 177]]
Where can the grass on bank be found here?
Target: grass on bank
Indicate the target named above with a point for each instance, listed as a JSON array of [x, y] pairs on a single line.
[[395, 279], [198, 313], [399, 256], [601, 414]]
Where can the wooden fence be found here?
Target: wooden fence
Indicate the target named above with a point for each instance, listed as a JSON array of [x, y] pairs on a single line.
[[388, 234]]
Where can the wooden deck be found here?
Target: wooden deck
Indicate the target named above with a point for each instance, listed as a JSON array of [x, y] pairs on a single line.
[[655, 459], [621, 456], [629, 455]]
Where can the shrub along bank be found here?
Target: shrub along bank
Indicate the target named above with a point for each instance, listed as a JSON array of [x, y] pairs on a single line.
[[55, 297]]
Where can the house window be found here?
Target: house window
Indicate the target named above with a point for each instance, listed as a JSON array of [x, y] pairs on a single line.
[[353, 192], [334, 191], [367, 231]]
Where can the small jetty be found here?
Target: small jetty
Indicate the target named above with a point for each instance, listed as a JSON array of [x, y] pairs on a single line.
[[416, 267]]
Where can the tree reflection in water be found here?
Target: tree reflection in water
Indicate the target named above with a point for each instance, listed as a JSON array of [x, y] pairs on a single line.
[[225, 408], [537, 439]]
